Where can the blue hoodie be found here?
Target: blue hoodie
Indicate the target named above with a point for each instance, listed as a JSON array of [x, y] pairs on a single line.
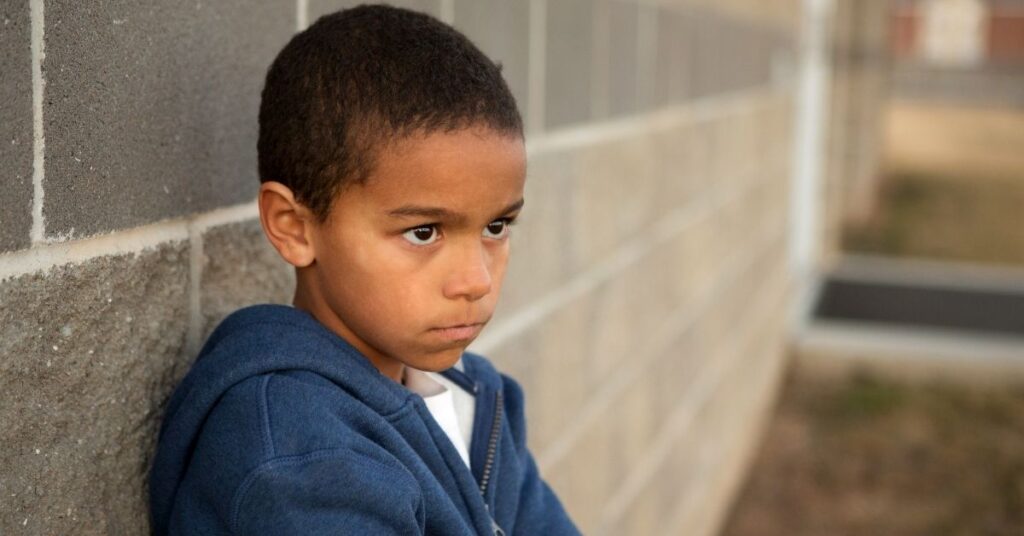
[[282, 427]]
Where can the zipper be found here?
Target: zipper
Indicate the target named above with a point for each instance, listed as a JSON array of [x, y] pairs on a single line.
[[492, 445], [494, 524], [492, 450]]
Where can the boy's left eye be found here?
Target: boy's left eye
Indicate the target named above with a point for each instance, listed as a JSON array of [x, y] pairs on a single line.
[[496, 229], [422, 236]]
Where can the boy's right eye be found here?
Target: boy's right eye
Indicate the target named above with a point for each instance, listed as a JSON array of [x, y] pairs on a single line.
[[421, 236]]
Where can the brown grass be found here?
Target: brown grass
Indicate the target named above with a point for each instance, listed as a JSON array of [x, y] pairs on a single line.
[[953, 186]]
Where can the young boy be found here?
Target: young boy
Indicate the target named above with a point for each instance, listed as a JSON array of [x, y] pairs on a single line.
[[392, 164]]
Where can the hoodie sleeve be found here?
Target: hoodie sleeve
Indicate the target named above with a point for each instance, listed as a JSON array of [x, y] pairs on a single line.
[[539, 511], [327, 492]]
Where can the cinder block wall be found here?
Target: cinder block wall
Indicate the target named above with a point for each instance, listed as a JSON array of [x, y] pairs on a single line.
[[644, 310]]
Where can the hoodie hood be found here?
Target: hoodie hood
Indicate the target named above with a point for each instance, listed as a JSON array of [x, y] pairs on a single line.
[[254, 341]]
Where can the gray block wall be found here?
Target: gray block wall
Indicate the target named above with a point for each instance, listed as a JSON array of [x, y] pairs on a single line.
[[16, 129], [642, 310]]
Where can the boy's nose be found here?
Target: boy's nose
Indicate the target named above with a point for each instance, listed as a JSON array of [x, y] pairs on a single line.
[[470, 277]]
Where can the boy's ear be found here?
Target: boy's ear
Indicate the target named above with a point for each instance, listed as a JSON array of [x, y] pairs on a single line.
[[287, 224]]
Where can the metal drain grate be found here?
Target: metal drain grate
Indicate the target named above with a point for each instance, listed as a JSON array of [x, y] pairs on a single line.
[[952, 299]]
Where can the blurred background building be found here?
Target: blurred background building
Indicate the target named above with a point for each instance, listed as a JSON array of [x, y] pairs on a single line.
[[711, 185]]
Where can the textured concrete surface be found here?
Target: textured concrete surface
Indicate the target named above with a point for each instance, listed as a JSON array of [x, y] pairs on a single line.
[[239, 268], [90, 353], [15, 125], [151, 109], [569, 63], [319, 8], [500, 28]]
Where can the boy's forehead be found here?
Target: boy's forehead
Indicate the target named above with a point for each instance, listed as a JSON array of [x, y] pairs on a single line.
[[446, 170]]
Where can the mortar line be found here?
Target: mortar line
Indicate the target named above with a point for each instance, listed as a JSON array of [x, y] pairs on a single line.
[[653, 121], [38, 230], [225, 215], [687, 410], [536, 66], [301, 15], [49, 255]]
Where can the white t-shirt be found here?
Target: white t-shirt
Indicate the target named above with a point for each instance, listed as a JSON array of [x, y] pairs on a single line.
[[451, 406]]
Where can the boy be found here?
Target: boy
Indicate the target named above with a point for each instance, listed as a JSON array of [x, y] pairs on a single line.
[[392, 164]]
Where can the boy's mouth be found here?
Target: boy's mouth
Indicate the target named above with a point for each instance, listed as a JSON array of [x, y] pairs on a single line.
[[459, 332]]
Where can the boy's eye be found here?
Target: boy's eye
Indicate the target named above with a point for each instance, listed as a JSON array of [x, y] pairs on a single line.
[[496, 229], [421, 236]]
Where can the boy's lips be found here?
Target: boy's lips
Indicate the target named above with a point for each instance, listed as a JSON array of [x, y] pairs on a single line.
[[459, 332]]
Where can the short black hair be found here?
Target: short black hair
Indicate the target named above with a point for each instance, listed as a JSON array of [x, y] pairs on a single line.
[[361, 78]]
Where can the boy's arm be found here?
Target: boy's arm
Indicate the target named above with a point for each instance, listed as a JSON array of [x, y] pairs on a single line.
[[327, 492], [540, 511]]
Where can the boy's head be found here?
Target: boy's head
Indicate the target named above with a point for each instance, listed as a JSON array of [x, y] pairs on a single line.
[[392, 162], [364, 78]]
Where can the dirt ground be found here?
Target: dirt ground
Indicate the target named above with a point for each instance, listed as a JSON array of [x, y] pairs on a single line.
[[953, 186], [868, 457]]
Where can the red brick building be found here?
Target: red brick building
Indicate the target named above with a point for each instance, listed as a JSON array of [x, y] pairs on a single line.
[[1001, 29]]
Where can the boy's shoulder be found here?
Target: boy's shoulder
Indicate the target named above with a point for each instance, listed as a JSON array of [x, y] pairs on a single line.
[[281, 370]]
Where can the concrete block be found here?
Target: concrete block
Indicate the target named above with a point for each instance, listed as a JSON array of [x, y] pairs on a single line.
[[91, 352], [151, 109], [708, 67], [560, 381], [319, 8], [15, 126], [240, 268], [732, 53], [616, 195], [631, 418], [628, 312], [545, 358], [588, 475], [502, 30], [642, 517], [543, 242], [623, 58], [568, 79], [682, 156], [675, 29]]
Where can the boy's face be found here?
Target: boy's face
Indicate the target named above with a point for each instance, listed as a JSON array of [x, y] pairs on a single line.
[[409, 265]]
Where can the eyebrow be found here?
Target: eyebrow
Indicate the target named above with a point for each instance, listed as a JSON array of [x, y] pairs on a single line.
[[416, 211]]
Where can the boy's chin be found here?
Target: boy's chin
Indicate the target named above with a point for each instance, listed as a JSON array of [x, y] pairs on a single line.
[[439, 361]]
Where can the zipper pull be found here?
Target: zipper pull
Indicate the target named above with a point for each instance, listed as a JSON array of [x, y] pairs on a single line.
[[494, 524]]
